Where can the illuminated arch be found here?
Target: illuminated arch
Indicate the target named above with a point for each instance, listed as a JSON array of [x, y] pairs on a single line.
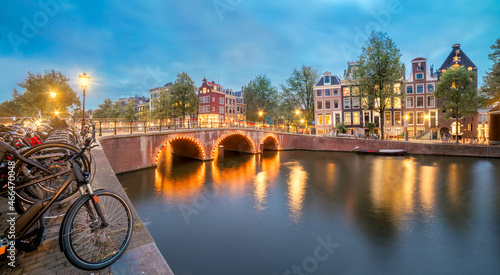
[[189, 139], [236, 133], [271, 136]]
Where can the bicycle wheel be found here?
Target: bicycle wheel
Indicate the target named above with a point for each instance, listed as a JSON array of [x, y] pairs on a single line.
[[49, 155], [86, 242]]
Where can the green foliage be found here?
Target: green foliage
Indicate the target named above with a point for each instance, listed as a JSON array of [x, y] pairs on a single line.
[[371, 127], [341, 128], [128, 112], [298, 91], [103, 111], [260, 95], [491, 85], [183, 97], [11, 108], [457, 89], [36, 99], [379, 72]]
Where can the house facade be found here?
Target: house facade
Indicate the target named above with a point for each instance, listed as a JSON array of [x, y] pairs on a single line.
[[327, 103], [212, 103], [421, 109], [467, 126]]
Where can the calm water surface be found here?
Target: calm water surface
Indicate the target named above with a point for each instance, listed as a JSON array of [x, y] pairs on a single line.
[[323, 213]]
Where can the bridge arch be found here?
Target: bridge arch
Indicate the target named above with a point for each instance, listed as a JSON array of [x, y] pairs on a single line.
[[270, 142], [234, 141], [185, 146]]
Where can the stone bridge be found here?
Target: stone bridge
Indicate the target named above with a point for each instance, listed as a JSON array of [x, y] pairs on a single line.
[[136, 151]]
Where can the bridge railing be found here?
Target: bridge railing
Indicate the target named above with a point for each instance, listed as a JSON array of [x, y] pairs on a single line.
[[122, 126]]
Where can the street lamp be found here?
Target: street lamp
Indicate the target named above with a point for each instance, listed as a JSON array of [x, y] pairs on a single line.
[[260, 115], [84, 80], [297, 112], [53, 94], [57, 113]]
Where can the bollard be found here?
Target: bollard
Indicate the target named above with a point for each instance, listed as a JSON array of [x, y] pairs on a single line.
[[115, 126], [100, 128], [160, 125], [131, 126], [144, 126]]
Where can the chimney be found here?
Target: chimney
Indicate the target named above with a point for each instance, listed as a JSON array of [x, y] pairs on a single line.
[[456, 46], [403, 68], [432, 70]]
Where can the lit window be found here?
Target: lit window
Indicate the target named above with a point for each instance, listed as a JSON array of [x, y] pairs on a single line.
[[420, 102], [347, 91], [355, 91], [397, 103], [410, 118], [355, 118], [320, 119], [347, 118], [420, 118], [328, 119], [420, 76], [397, 118], [387, 118]]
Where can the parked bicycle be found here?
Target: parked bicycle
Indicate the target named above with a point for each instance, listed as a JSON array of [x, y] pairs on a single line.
[[95, 230]]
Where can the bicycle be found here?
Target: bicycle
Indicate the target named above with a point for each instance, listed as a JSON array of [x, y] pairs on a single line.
[[95, 231]]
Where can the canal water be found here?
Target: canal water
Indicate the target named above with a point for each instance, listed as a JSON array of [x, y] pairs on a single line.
[[299, 212]]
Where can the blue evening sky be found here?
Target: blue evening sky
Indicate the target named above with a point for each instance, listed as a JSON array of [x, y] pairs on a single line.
[[129, 47]]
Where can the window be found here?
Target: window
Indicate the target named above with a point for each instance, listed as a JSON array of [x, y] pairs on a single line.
[[420, 76], [355, 118], [409, 89], [420, 101], [387, 118], [430, 88], [204, 90], [420, 68], [327, 79], [347, 103], [337, 118], [201, 109], [355, 102], [355, 91], [336, 103], [397, 103], [319, 105], [327, 92], [221, 101], [213, 99], [347, 91], [410, 118], [328, 119], [420, 118], [409, 102], [335, 92], [320, 131], [213, 109], [430, 101], [328, 104], [420, 89], [397, 118], [347, 118], [318, 93], [320, 120]]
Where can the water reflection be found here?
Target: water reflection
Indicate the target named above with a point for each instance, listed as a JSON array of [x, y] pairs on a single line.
[[234, 174], [270, 170], [296, 182]]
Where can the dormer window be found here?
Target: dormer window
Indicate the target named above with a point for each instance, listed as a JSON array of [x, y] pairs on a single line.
[[420, 76], [327, 79]]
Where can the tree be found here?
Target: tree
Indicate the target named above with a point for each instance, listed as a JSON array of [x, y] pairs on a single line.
[[183, 97], [260, 95], [103, 110], [341, 128], [11, 108], [128, 112], [457, 89], [298, 91], [379, 75], [36, 98], [491, 85]]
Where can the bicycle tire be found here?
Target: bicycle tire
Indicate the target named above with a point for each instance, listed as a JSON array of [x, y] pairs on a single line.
[[44, 190], [80, 236]]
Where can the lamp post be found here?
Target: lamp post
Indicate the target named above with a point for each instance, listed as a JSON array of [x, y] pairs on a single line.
[[260, 115], [84, 80], [406, 127]]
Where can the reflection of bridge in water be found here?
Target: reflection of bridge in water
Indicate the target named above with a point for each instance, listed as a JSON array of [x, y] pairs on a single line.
[[140, 150]]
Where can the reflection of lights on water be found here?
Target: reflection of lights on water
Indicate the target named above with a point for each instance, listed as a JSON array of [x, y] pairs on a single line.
[[428, 175], [234, 175], [453, 184], [297, 181], [260, 185]]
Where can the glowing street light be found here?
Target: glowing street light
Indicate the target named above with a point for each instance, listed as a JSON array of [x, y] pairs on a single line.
[[84, 80], [57, 113], [53, 94], [297, 112]]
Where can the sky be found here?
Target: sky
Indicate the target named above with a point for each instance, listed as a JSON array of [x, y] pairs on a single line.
[[129, 47]]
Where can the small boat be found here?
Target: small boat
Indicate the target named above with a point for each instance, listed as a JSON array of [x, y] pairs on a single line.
[[382, 152]]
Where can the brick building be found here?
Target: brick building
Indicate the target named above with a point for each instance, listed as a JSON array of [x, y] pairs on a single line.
[[327, 103], [212, 103]]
